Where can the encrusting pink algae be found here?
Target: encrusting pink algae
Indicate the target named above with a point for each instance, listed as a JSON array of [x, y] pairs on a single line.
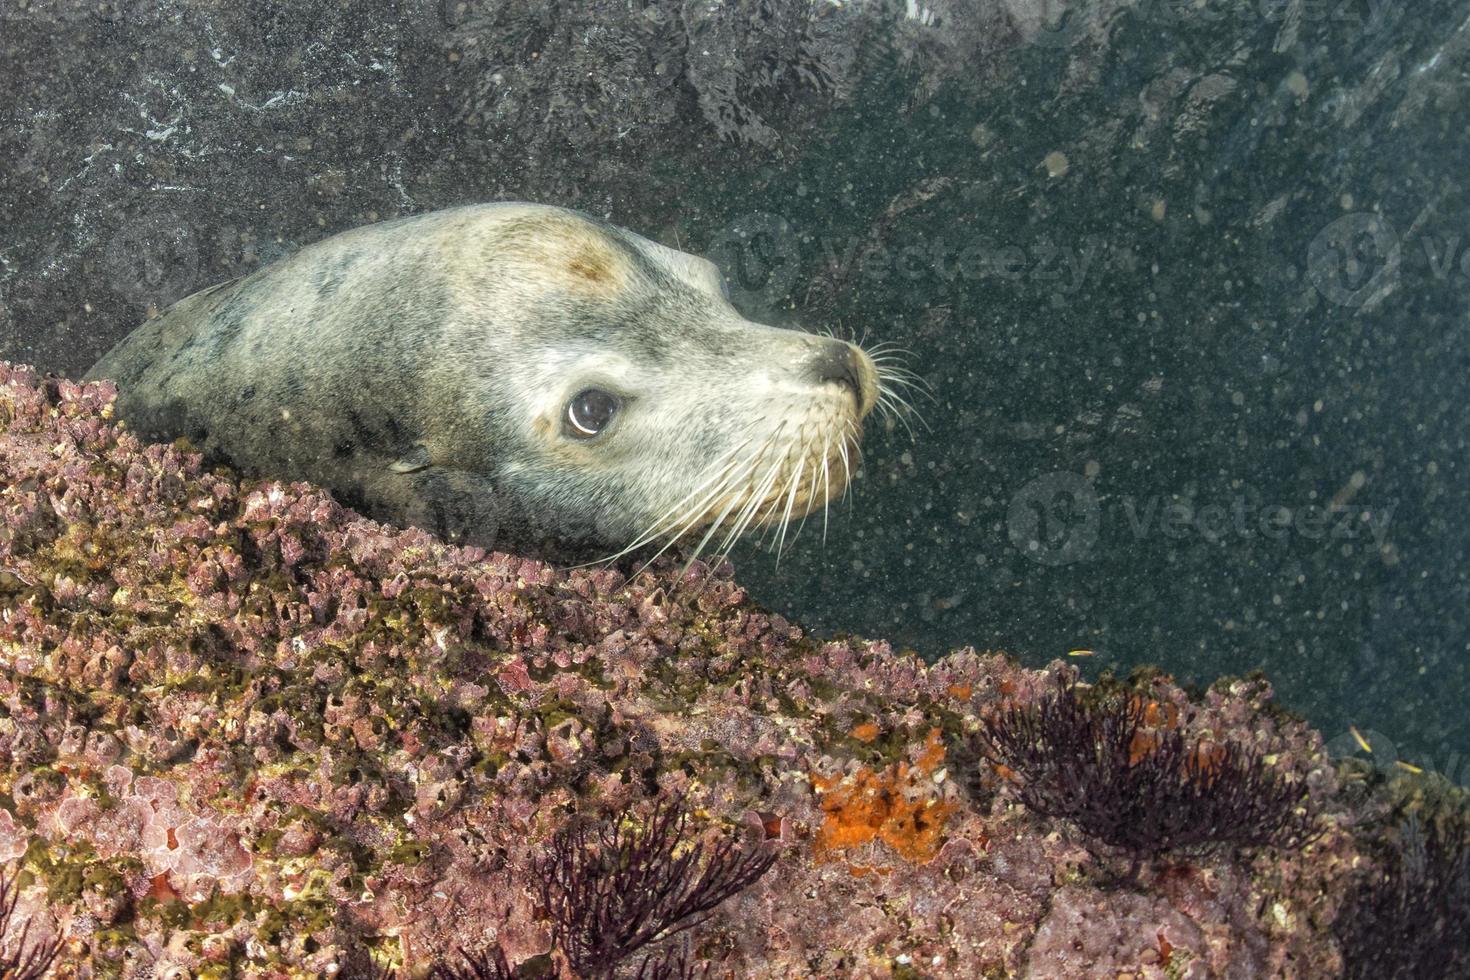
[[245, 732]]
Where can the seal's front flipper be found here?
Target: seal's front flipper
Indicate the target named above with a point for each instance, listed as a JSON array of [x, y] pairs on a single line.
[[161, 338], [416, 459]]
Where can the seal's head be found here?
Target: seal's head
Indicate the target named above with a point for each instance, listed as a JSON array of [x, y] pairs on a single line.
[[645, 404], [517, 375]]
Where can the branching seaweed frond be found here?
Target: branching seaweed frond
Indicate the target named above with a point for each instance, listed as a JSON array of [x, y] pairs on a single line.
[[1141, 789], [615, 888]]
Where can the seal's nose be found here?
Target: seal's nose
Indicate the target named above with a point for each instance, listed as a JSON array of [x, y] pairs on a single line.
[[838, 361]]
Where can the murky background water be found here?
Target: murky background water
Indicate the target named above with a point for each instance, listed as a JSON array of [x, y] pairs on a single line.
[[1189, 282], [1201, 387]]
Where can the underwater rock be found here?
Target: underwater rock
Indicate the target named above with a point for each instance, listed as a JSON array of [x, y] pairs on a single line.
[[244, 731]]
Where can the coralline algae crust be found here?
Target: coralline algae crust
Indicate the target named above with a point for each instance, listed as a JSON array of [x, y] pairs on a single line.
[[245, 732]]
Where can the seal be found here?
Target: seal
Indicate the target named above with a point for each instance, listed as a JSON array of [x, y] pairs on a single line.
[[516, 376]]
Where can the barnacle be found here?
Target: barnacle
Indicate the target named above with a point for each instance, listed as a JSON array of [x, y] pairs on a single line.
[[242, 728]]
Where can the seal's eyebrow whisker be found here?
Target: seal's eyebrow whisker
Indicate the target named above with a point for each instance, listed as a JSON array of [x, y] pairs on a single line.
[[887, 350], [839, 331], [893, 365]]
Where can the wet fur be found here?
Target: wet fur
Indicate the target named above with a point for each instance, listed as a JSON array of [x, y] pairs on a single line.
[[448, 344]]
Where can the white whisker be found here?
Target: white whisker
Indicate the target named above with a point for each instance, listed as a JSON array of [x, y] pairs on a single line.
[[712, 530], [826, 489], [755, 504], [790, 503], [769, 482], [721, 473]]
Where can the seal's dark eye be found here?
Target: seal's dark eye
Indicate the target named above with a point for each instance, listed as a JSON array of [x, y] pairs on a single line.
[[589, 412]]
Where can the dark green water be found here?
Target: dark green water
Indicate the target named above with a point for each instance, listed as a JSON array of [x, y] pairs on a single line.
[[1199, 400]]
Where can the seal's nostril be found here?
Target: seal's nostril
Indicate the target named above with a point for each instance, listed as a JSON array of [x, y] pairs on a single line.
[[837, 361]]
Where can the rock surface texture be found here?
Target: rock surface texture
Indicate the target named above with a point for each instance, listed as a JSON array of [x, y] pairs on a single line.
[[1155, 256], [244, 732]]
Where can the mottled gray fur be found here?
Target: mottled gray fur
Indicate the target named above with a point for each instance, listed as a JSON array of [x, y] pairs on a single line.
[[420, 369]]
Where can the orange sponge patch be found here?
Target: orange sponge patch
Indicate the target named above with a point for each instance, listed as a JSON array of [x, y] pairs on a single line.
[[898, 806]]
